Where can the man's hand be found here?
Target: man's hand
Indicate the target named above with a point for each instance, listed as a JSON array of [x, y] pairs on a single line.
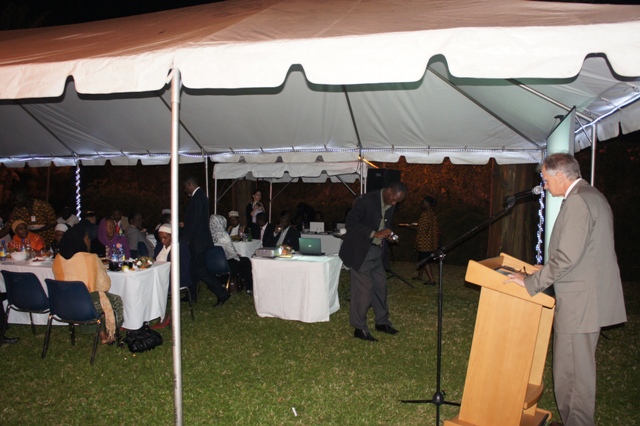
[[517, 278], [385, 233]]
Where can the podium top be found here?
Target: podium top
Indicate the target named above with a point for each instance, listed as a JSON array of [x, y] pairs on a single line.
[[492, 273]]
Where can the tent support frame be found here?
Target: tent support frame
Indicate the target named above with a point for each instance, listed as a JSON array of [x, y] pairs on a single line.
[[480, 105]]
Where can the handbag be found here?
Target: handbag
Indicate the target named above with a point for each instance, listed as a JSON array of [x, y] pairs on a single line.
[[143, 339]]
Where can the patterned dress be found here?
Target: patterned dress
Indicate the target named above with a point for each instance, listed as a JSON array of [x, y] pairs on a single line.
[[427, 232], [43, 214]]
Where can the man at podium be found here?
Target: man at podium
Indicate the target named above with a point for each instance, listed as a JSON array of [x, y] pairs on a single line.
[[583, 269]]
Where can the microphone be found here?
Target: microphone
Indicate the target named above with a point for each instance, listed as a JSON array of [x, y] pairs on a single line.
[[536, 190]]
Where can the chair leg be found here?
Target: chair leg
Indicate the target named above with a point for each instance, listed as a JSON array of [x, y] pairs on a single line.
[[72, 334], [46, 337], [33, 327], [95, 342]]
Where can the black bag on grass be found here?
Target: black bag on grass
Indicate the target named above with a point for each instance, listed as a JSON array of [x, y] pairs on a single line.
[[143, 339]]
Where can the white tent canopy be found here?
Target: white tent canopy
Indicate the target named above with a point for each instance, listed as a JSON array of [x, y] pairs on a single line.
[[318, 172], [294, 79], [291, 80]]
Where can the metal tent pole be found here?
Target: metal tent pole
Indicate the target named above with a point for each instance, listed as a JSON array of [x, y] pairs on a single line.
[[175, 247], [206, 172], [593, 154]]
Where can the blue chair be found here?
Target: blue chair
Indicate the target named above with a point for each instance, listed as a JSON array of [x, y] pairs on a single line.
[[142, 249], [24, 294], [70, 302], [217, 263]]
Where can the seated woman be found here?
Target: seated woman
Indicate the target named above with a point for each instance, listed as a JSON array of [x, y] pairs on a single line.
[[74, 263], [163, 254], [109, 239], [58, 233], [24, 237], [240, 266]]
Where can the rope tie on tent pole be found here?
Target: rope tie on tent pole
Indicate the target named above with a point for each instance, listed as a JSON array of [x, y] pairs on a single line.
[[78, 200]]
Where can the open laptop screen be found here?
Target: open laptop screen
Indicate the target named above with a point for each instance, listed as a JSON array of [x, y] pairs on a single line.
[[310, 246]]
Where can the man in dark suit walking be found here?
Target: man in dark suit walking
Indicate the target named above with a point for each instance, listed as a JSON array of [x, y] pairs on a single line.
[[198, 236], [363, 251], [583, 269]]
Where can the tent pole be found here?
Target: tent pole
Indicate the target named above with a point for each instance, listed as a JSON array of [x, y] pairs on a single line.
[[206, 173], [270, 198], [215, 193], [175, 247], [48, 182], [593, 153]]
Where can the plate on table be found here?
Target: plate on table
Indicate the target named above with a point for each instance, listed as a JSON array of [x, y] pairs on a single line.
[[39, 261]]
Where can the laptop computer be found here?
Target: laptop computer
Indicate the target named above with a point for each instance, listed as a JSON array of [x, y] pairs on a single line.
[[310, 246], [317, 227]]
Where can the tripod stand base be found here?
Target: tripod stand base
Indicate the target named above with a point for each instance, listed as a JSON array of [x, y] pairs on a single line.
[[391, 274], [438, 400]]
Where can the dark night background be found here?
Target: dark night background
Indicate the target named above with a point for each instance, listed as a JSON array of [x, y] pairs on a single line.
[[463, 192], [16, 14]]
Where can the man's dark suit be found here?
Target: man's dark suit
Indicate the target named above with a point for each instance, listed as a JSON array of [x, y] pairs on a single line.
[[367, 261], [255, 232], [292, 239], [196, 233], [583, 269]]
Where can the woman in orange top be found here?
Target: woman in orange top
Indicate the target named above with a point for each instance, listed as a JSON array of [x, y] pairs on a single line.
[[74, 263], [23, 236]]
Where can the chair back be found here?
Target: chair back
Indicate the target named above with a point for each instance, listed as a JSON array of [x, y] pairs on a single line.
[[217, 261], [142, 249], [25, 291], [70, 301]]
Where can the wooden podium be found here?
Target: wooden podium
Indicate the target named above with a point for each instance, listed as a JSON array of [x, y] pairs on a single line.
[[509, 349]]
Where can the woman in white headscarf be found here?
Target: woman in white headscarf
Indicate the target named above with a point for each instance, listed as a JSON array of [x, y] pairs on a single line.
[[240, 266]]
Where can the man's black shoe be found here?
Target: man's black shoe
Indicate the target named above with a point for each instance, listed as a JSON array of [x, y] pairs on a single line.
[[222, 300], [364, 335], [9, 340], [386, 329]]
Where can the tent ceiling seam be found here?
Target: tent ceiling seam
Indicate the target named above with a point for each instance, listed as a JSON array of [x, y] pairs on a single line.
[[353, 118], [46, 128], [186, 129], [483, 107]]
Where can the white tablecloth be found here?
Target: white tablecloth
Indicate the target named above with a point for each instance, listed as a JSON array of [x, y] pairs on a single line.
[[247, 248], [143, 292], [303, 288], [329, 244]]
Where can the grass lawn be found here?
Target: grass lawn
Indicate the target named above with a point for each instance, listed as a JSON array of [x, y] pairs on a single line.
[[240, 369]]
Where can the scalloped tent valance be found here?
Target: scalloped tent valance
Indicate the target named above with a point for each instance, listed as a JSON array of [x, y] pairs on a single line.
[[294, 79]]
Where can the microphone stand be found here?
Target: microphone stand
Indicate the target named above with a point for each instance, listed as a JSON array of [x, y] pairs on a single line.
[[438, 397]]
